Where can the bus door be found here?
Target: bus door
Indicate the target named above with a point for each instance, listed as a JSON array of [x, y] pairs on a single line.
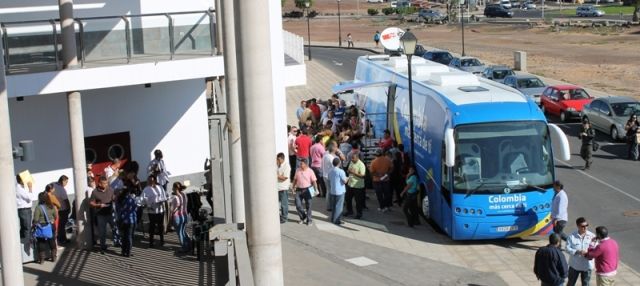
[[442, 213]]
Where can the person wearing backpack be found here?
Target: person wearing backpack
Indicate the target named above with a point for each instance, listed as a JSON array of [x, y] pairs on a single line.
[[43, 217]]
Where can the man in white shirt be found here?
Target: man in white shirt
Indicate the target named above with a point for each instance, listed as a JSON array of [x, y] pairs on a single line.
[[283, 186], [111, 171], [24, 200], [158, 169], [291, 142], [559, 214], [577, 245]]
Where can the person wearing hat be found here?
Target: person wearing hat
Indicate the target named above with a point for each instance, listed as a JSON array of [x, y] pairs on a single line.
[[586, 149]]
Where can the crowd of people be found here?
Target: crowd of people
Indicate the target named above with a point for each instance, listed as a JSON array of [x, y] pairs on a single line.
[[326, 160], [587, 251], [116, 198]]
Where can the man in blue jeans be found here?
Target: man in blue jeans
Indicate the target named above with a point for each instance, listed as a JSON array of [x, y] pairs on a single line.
[[283, 186], [338, 179], [102, 200]]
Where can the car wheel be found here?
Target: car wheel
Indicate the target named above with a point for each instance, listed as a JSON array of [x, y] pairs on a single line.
[[564, 117], [614, 134]]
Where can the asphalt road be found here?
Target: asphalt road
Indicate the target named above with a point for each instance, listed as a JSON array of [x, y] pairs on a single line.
[[608, 194]]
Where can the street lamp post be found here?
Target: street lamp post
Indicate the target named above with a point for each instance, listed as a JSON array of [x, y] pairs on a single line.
[[339, 26], [409, 42], [306, 5], [462, 22]]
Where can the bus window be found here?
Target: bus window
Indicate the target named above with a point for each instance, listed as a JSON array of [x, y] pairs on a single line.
[[494, 157]]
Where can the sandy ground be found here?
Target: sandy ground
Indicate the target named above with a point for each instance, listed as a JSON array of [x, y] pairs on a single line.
[[607, 60]]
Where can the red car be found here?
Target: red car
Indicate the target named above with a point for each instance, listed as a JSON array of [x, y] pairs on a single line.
[[565, 101]]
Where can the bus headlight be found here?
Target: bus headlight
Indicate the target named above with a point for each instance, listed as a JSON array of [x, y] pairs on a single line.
[[535, 208], [472, 211], [458, 210], [479, 211], [547, 205], [465, 211], [541, 206]]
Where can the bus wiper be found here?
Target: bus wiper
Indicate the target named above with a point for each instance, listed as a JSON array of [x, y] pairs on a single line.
[[471, 191]]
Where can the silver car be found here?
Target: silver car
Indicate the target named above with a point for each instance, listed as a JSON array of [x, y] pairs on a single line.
[[529, 85], [497, 73], [468, 64], [609, 114]]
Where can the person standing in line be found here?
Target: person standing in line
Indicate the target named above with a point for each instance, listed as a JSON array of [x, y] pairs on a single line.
[[376, 38], [154, 197], [24, 203], [45, 213], [127, 218], [577, 246], [633, 129], [101, 200], [111, 171], [550, 266], [64, 210], [179, 215], [291, 142], [316, 152], [586, 149], [327, 165], [398, 177], [349, 41], [410, 206], [337, 179], [284, 183], [303, 180], [303, 147], [380, 169], [357, 172], [158, 169], [559, 214], [299, 111], [607, 256]]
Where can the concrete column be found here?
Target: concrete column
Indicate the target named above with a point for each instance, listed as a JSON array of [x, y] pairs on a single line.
[[277, 67], [255, 60], [520, 61], [76, 127], [233, 109], [9, 238]]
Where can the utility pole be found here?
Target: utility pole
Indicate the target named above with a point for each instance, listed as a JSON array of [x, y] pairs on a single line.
[[233, 109], [255, 67], [76, 127], [9, 238]]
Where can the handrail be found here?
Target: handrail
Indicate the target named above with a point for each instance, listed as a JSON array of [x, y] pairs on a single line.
[[127, 30]]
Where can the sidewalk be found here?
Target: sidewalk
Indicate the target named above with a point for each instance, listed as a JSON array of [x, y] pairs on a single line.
[[386, 239]]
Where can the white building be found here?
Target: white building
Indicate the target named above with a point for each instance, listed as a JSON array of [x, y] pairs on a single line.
[[143, 82]]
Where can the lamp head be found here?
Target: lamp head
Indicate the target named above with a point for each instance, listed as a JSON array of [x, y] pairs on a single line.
[[306, 4], [408, 42]]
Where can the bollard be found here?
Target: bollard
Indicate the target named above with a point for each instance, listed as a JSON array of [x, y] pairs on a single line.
[[520, 61]]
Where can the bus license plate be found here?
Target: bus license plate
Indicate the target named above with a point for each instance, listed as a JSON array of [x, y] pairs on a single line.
[[506, 228]]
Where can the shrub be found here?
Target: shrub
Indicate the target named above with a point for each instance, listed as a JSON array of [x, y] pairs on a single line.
[[293, 14], [388, 10], [372, 12], [313, 13]]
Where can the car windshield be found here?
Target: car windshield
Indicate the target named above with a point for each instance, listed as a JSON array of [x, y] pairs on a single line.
[[470, 62], [491, 157], [500, 74], [441, 56], [625, 108], [578, 93], [530, 83]]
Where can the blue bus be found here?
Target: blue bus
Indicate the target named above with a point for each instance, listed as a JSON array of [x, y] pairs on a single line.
[[483, 151]]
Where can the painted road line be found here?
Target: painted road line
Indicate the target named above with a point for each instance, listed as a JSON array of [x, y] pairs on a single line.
[[600, 181], [361, 261]]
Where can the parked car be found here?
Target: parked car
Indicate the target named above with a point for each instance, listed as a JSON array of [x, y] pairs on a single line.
[[588, 11], [528, 5], [497, 73], [495, 10], [565, 101], [420, 50], [375, 1], [529, 85], [610, 114], [432, 16], [505, 4], [468, 64], [442, 57]]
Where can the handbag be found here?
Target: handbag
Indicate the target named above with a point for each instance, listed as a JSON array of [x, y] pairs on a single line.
[[44, 230], [312, 191], [595, 146]]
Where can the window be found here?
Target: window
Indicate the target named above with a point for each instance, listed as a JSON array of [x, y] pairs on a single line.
[[625, 108], [578, 94], [90, 155]]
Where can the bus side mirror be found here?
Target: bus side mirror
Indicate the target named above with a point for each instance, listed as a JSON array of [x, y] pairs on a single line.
[[450, 148], [560, 143]]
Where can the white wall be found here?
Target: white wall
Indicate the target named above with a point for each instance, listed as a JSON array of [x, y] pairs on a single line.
[[170, 116]]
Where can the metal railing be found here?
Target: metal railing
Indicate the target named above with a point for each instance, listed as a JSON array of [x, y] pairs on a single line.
[[30, 33]]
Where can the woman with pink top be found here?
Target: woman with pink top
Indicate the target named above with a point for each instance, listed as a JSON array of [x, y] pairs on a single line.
[[303, 180], [179, 214]]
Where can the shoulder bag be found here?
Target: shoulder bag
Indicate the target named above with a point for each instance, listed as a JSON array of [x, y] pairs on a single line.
[[45, 230]]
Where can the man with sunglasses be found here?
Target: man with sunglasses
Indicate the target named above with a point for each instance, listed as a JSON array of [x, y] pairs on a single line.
[[577, 246]]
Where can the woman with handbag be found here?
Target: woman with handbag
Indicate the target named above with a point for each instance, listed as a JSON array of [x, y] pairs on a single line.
[[43, 217], [633, 128]]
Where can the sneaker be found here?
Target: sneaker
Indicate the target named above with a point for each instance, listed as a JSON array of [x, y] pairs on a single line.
[[301, 222], [380, 210], [309, 223]]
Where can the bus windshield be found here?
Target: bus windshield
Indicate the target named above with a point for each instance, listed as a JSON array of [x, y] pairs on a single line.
[[502, 157]]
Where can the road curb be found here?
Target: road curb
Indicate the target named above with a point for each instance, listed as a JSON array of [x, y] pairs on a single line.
[[343, 48]]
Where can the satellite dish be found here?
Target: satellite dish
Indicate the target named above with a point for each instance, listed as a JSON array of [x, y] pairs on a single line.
[[390, 38]]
